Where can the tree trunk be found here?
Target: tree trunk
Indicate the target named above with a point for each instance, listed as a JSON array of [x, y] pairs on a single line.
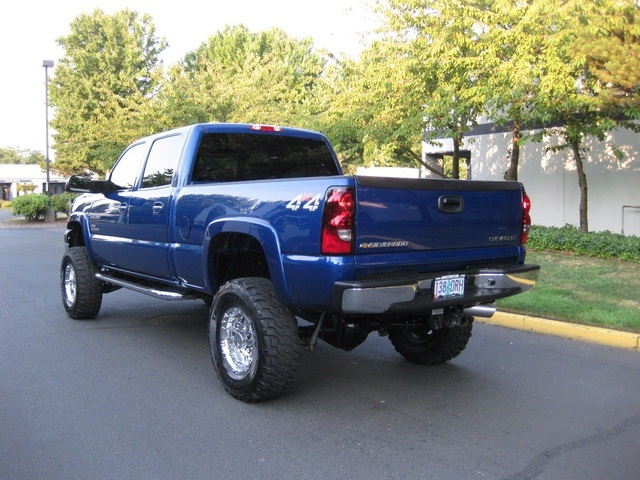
[[514, 158], [455, 164], [413, 156], [582, 181]]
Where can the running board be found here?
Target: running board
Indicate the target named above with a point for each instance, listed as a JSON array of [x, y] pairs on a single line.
[[152, 292]]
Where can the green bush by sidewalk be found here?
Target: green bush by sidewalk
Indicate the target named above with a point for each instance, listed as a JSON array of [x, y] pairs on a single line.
[[32, 206], [62, 202], [35, 206]]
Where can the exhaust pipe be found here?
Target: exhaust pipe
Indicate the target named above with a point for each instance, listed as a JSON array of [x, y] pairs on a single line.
[[484, 310]]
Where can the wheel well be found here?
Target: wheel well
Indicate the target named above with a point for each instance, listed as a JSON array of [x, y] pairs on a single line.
[[236, 255], [75, 238]]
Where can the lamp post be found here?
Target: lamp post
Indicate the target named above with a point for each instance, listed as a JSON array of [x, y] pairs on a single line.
[[47, 64]]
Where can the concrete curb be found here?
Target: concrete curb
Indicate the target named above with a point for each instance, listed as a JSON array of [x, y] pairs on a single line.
[[20, 222], [584, 333]]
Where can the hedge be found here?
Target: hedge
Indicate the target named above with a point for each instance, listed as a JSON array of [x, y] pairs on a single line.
[[61, 203], [35, 206], [593, 244], [32, 206]]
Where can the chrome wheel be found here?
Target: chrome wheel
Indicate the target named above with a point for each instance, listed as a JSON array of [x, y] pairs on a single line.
[[238, 343], [69, 285], [254, 340], [80, 291]]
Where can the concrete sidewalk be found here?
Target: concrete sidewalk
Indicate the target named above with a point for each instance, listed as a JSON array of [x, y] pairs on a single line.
[[8, 220]]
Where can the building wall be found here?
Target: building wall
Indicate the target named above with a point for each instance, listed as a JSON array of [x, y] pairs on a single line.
[[551, 179], [12, 175]]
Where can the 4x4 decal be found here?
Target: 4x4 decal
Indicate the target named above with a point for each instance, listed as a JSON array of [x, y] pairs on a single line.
[[306, 201]]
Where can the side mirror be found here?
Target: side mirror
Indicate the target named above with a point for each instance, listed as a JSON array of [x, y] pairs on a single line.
[[83, 184], [78, 184]]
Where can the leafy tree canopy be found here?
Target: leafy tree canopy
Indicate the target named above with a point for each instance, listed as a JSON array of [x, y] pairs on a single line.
[[24, 157], [240, 76], [370, 108], [102, 88], [608, 42]]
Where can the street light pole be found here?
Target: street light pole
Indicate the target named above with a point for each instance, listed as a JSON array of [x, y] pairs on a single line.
[[47, 64]]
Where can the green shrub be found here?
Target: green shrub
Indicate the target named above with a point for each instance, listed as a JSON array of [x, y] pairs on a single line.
[[62, 202], [31, 206], [593, 244], [25, 188], [5, 204]]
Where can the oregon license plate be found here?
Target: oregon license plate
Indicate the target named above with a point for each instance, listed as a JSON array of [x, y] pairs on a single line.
[[449, 286]]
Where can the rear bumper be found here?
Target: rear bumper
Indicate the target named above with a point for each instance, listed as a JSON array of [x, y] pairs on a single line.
[[416, 294]]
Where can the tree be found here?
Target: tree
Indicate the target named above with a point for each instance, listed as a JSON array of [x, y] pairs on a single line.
[[528, 64], [608, 44], [371, 109], [443, 44], [102, 89], [515, 41], [23, 157], [587, 95], [240, 76]]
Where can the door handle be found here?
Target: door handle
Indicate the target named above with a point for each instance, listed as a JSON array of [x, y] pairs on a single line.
[[158, 207], [123, 208]]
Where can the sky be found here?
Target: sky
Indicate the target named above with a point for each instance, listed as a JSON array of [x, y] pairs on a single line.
[[28, 33]]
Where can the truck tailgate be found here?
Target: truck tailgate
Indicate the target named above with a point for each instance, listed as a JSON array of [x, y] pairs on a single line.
[[396, 215]]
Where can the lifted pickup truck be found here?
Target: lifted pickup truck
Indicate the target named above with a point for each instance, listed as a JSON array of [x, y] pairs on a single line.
[[260, 222]]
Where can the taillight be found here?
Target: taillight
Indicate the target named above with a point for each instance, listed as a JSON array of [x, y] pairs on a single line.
[[338, 222], [526, 218]]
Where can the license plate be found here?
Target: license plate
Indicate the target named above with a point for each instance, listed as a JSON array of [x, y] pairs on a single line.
[[449, 286]]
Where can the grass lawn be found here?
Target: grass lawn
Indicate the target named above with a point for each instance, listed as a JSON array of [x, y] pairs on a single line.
[[591, 291]]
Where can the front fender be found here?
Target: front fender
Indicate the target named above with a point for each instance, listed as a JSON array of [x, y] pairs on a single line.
[[78, 232], [264, 234]]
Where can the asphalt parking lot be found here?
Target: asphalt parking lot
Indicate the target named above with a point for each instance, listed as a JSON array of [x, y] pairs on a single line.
[[133, 394]]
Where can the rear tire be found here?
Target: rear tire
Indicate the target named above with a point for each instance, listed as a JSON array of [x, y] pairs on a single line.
[[424, 346], [81, 292], [254, 340]]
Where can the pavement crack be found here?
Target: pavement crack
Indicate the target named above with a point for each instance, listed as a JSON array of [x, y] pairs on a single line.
[[536, 467]]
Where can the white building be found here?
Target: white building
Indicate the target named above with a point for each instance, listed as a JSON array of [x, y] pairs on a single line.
[[551, 179], [12, 175]]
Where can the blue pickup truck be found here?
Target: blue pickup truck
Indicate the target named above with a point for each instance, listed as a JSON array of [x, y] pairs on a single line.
[[260, 222]]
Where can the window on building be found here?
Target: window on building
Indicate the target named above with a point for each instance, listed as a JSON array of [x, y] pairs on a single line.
[[442, 164]]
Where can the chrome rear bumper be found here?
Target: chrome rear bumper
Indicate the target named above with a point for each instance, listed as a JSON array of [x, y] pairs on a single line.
[[415, 294]]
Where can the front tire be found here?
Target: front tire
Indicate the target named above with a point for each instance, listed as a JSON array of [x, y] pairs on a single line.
[[424, 346], [81, 292], [254, 340]]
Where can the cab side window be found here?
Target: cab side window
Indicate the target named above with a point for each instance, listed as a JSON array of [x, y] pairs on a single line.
[[125, 172], [162, 162]]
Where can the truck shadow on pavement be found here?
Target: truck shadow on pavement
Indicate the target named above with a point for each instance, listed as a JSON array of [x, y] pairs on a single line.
[[373, 370]]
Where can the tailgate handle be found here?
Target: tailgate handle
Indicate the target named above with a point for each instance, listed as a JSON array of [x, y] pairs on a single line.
[[450, 204]]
